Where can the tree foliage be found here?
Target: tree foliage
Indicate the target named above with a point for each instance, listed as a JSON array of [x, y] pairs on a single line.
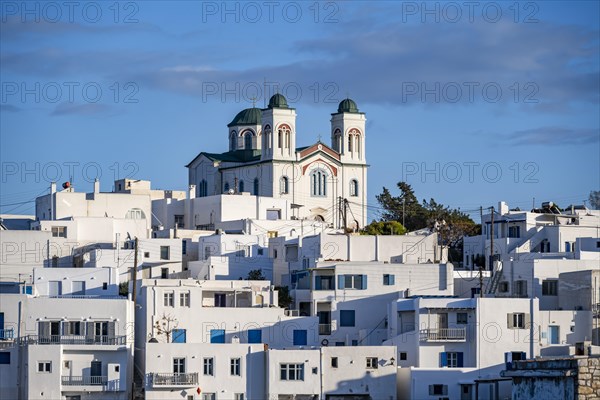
[[384, 228], [451, 224], [594, 199], [256, 275], [283, 296]]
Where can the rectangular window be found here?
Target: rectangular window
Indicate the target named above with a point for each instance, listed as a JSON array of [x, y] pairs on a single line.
[[184, 247], [550, 287], [388, 280], [291, 372], [334, 362], [503, 287], [104, 285], [72, 328], [352, 282], [347, 318], [235, 366], [59, 231], [164, 252], [169, 299], [179, 221], [300, 337], [238, 396], [164, 273], [179, 365], [438, 390], [178, 336], [451, 359], [217, 335], [254, 336], [514, 231], [372, 363], [44, 366], [4, 357], [517, 320], [403, 356], [184, 299], [209, 396], [521, 288], [209, 366], [462, 318]]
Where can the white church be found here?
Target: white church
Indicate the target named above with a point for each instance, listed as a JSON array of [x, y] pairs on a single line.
[[320, 182]]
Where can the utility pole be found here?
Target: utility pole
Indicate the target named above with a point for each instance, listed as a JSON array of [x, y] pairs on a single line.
[[492, 242], [403, 211], [345, 202], [135, 261]]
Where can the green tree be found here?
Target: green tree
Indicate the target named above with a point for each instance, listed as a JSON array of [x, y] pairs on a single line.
[[256, 275], [384, 228], [284, 297], [594, 199]]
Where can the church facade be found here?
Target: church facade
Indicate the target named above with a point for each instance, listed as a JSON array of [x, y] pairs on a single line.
[[321, 182]]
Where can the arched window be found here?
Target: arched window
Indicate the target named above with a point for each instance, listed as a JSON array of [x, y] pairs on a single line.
[[337, 140], [256, 186], [318, 180], [135, 213], [233, 141], [354, 188], [248, 141], [284, 187], [241, 186], [283, 136], [226, 187], [267, 137], [280, 139], [350, 137], [202, 189]]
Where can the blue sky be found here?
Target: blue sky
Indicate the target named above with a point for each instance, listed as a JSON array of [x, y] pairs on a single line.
[[469, 104]]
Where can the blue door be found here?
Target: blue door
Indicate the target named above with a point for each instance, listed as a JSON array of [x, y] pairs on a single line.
[[553, 334]]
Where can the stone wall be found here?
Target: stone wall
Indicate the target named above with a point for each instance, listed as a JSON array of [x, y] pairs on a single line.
[[588, 378]]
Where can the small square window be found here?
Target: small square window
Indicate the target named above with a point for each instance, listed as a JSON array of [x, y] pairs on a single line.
[[334, 362], [164, 252], [117, 368], [372, 363], [462, 318], [104, 286], [146, 254], [45, 366], [403, 356]]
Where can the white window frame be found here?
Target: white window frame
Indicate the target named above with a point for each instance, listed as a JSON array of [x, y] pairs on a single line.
[[169, 299], [184, 299], [291, 372], [46, 367], [208, 366], [235, 366], [59, 231], [372, 362], [179, 365]]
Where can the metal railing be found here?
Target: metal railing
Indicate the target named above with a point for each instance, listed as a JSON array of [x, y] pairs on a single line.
[[174, 379], [7, 334], [324, 329], [84, 380], [85, 296], [443, 334], [73, 339]]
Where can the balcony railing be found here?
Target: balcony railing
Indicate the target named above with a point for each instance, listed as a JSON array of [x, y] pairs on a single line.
[[162, 379], [444, 335], [73, 339], [7, 334], [324, 329], [84, 380]]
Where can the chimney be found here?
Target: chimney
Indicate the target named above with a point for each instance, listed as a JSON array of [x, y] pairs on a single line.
[[192, 192], [502, 208], [96, 186]]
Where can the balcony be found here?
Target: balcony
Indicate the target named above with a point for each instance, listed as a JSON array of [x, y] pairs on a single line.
[[7, 334], [324, 329], [162, 379], [444, 335], [73, 339], [84, 380]]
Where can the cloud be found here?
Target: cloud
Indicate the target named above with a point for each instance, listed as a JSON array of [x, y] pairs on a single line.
[[554, 136], [9, 108], [88, 109]]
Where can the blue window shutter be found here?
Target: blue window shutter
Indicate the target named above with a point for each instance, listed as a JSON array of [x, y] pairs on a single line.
[[364, 282], [523, 356], [318, 283], [254, 336], [347, 318], [178, 336], [217, 335], [443, 359], [459, 359], [392, 279], [5, 357], [300, 337], [341, 282]]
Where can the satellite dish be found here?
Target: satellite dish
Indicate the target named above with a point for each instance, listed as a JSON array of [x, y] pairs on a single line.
[[231, 191]]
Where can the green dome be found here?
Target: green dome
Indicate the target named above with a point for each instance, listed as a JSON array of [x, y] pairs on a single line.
[[249, 116], [278, 101], [347, 105]]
